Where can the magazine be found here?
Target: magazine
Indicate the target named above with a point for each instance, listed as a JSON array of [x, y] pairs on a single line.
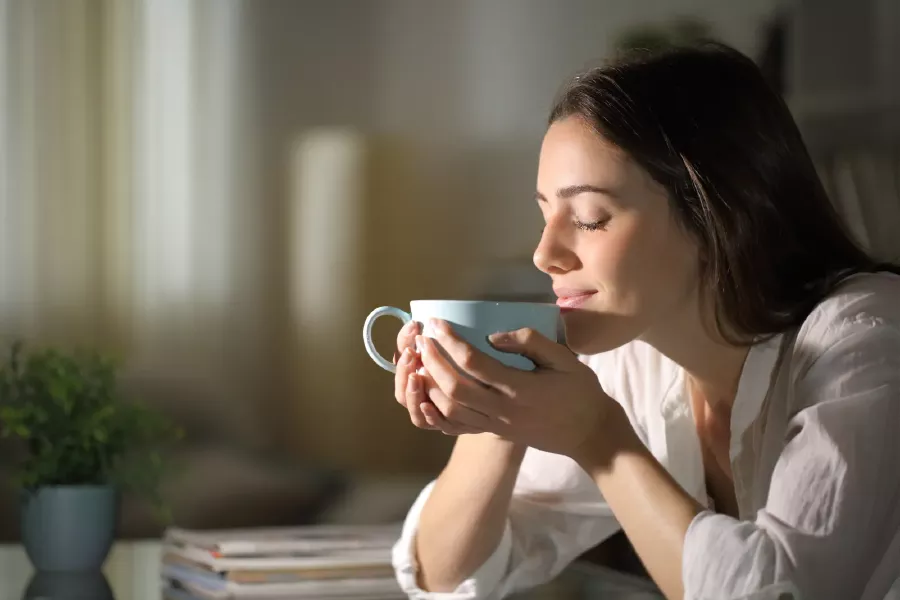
[[307, 539]]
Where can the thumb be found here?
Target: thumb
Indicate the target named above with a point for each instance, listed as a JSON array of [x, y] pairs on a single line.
[[542, 351]]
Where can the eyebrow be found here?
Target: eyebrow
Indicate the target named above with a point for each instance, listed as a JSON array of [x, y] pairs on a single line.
[[574, 190]]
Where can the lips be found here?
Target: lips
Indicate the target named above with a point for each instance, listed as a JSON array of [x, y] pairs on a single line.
[[570, 299]]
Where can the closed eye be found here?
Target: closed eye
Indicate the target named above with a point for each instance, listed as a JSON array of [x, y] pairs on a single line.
[[592, 225]]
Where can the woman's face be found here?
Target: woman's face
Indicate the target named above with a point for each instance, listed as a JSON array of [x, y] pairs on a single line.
[[620, 264]]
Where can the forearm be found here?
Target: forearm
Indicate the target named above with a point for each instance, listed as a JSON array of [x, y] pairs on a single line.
[[653, 510], [465, 515]]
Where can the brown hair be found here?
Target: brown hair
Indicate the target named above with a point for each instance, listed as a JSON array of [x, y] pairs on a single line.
[[705, 124]]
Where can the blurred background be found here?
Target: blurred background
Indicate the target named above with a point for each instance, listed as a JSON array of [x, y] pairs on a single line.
[[219, 191]]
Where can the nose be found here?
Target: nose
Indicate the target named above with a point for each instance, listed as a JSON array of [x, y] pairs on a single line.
[[554, 254]]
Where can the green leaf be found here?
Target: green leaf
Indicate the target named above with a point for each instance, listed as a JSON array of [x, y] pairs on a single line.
[[78, 427]]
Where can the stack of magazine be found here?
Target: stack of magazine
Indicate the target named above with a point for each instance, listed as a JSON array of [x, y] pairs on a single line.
[[321, 561]]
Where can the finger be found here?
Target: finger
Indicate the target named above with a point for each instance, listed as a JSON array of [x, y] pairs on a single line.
[[467, 357], [415, 393], [420, 418], [542, 351], [437, 421], [407, 336], [405, 366], [455, 413], [456, 387]]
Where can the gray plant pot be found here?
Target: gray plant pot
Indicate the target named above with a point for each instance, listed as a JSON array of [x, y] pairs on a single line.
[[69, 528], [85, 585]]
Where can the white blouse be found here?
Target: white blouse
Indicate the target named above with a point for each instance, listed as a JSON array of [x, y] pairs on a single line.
[[815, 453]]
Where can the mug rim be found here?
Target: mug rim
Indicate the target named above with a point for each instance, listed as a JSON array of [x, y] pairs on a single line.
[[493, 302]]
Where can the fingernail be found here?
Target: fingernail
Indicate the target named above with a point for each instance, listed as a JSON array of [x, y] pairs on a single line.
[[437, 326], [499, 338], [420, 344], [407, 328]]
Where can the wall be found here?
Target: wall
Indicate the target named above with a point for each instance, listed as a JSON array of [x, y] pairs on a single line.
[[453, 96], [847, 93]]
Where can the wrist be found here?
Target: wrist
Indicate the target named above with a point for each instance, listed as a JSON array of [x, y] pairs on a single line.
[[513, 451], [490, 444], [612, 436]]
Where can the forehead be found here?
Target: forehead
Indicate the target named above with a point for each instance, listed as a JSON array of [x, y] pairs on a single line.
[[574, 154], [573, 150]]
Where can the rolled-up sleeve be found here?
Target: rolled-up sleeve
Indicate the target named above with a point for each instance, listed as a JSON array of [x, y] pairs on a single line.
[[544, 532], [830, 528], [480, 585]]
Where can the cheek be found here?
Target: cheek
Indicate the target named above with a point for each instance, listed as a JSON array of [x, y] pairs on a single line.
[[641, 263], [609, 255], [671, 265], [618, 260], [642, 272], [677, 261]]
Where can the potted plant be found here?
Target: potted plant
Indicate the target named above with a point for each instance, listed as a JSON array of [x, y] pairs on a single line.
[[83, 445]]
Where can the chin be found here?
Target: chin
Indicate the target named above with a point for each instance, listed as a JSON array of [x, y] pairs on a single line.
[[589, 332]]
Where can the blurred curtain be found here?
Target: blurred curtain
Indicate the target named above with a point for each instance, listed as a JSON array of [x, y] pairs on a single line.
[[124, 212], [864, 184], [134, 217]]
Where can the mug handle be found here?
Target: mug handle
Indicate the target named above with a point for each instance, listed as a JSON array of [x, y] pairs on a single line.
[[367, 334]]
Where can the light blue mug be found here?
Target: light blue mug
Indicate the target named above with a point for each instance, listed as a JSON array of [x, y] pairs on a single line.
[[472, 320]]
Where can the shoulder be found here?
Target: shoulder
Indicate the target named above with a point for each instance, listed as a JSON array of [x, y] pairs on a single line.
[[872, 297], [864, 303], [854, 329]]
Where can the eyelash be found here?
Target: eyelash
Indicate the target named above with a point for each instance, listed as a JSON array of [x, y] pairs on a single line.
[[593, 226]]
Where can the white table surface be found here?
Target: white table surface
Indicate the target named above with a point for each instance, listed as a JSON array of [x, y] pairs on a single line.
[[132, 571]]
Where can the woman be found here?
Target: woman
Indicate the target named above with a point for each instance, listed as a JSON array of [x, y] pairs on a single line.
[[733, 403]]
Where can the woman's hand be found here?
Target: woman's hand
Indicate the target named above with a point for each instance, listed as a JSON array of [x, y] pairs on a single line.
[[408, 385], [557, 407]]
